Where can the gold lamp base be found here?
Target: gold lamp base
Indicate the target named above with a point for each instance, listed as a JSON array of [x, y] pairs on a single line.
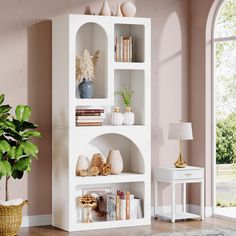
[[180, 163]]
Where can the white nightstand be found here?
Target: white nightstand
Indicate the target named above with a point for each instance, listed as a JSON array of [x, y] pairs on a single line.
[[173, 176]]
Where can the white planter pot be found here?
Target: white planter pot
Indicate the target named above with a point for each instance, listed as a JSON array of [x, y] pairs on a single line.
[[117, 117], [128, 117], [115, 160]]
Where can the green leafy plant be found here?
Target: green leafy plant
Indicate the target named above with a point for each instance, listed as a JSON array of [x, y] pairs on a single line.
[[126, 96], [16, 148]]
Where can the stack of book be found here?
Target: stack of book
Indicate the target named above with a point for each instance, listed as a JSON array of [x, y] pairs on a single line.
[[123, 206], [123, 49], [89, 116]]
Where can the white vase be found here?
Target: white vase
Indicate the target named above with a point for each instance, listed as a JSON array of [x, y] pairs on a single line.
[[128, 9], [115, 160], [117, 117], [118, 12], [82, 164], [128, 116], [105, 11]]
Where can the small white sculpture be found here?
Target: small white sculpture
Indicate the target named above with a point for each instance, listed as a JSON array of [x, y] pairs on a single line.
[[128, 9], [105, 11], [87, 11], [118, 11]]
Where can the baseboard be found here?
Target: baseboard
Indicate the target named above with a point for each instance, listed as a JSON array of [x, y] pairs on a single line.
[[190, 207], [39, 220]]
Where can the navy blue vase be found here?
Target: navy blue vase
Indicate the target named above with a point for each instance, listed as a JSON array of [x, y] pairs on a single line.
[[86, 89]]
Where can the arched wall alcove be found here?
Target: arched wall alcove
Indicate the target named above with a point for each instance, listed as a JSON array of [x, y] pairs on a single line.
[[132, 156], [93, 37]]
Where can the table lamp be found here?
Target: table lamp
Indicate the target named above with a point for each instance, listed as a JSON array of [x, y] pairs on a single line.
[[180, 131]]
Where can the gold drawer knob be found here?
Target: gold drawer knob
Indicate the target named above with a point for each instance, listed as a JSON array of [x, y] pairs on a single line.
[[188, 174]]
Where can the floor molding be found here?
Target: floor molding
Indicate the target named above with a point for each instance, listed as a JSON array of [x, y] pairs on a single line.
[[39, 220]]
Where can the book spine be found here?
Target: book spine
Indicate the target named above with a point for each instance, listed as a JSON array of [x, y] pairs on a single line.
[[123, 209], [127, 205], [118, 207], [101, 117], [130, 49], [84, 111], [89, 121], [117, 49], [89, 124], [89, 114], [125, 50], [121, 49], [111, 207], [133, 208], [139, 208]]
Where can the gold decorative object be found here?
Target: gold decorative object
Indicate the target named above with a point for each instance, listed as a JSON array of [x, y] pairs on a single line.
[[83, 173], [94, 171], [105, 169], [97, 160], [180, 131], [87, 202]]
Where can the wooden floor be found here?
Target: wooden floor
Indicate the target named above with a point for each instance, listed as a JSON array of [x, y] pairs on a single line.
[[156, 227]]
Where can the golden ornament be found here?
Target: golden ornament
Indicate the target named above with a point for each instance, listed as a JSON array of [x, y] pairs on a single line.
[[88, 202], [105, 169], [94, 171], [97, 160], [83, 173]]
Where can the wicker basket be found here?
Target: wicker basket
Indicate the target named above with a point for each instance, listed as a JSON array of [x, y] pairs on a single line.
[[10, 219]]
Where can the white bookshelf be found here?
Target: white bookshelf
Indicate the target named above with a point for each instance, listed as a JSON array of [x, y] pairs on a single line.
[[71, 35]]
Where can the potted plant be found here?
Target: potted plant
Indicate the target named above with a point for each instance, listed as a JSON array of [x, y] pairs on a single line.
[[126, 97], [16, 154], [85, 66]]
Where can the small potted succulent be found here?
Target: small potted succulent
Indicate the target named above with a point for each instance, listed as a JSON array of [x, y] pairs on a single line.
[[126, 97], [16, 154], [85, 66]]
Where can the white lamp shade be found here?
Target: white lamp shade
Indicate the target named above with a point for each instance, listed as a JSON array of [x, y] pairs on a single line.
[[180, 131]]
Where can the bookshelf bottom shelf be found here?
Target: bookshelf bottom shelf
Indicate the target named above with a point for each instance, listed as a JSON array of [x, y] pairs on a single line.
[[110, 224]]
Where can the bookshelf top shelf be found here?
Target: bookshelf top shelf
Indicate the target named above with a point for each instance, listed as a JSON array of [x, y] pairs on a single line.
[[129, 66], [121, 178]]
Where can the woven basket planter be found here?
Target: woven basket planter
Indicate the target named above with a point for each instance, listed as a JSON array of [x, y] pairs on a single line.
[[10, 219]]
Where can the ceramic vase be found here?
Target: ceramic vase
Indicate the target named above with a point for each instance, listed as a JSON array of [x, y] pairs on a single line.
[[115, 160], [117, 117], [128, 116], [82, 164], [128, 9], [118, 12], [105, 11], [86, 89]]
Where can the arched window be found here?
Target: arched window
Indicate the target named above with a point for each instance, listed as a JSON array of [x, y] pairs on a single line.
[[225, 105], [225, 58]]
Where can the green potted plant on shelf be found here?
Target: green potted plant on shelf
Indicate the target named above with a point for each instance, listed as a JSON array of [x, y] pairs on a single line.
[[16, 154], [126, 98]]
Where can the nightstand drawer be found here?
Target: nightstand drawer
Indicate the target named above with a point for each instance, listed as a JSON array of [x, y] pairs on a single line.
[[188, 174]]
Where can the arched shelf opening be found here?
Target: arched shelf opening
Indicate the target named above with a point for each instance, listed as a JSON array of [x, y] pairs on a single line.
[[92, 36], [131, 155]]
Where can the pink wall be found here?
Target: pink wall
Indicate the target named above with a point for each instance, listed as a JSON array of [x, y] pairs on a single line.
[[202, 12], [25, 77]]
